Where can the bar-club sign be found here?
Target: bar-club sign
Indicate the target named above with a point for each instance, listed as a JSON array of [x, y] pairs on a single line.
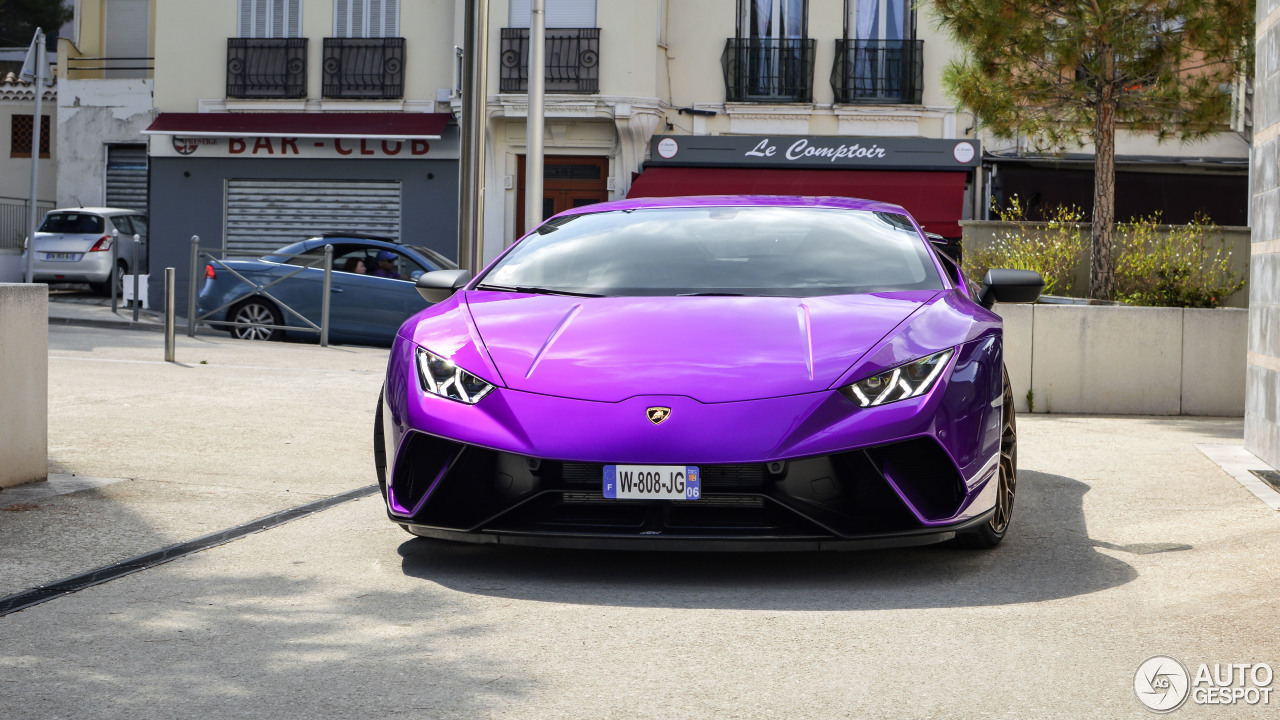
[[814, 151]]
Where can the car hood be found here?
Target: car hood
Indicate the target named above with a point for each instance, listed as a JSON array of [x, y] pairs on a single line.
[[711, 349]]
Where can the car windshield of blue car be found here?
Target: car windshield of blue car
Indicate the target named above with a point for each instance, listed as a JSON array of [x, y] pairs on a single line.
[[71, 223], [774, 251]]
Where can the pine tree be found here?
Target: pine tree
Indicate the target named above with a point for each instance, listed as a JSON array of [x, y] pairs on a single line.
[[1061, 73], [20, 18]]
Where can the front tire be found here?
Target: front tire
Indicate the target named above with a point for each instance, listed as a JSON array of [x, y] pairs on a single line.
[[990, 534], [251, 317]]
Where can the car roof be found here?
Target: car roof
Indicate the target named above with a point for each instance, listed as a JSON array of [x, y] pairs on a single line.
[[689, 201], [97, 211], [354, 235]]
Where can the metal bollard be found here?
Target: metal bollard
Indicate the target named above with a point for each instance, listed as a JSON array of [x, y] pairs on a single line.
[[191, 295], [134, 267], [326, 290], [115, 263], [169, 341]]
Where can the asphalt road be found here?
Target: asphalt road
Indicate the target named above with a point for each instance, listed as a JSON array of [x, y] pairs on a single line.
[[1127, 543]]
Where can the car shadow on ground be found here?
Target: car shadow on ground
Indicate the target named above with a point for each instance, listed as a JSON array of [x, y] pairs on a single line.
[[1047, 555]]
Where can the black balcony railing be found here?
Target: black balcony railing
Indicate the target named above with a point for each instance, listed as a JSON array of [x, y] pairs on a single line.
[[878, 71], [573, 60], [768, 70], [363, 68], [266, 67]]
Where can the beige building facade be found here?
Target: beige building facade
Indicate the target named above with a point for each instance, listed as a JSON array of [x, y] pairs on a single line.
[[833, 73]]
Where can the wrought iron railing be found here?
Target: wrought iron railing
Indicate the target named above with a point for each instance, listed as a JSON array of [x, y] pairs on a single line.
[[363, 68], [266, 67], [768, 70], [109, 67], [573, 60], [878, 71]]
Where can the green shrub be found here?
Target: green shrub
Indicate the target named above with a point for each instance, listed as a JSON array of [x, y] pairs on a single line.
[[1177, 266], [1053, 250]]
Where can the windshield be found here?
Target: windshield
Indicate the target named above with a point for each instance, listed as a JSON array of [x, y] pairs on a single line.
[[780, 251], [71, 223]]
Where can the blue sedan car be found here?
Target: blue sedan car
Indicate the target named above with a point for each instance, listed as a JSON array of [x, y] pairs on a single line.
[[372, 289]]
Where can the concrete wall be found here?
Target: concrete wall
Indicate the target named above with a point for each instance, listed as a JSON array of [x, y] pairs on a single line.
[[981, 234], [15, 173], [91, 115], [1126, 360], [24, 384], [1262, 405]]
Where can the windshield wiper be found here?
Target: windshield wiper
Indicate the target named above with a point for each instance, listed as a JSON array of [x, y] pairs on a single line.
[[535, 290], [711, 294]]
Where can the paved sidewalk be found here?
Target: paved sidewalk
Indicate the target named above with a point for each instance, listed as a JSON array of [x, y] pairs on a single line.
[[234, 431], [1127, 542]]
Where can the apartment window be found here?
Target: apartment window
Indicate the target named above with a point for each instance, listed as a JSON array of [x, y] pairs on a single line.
[[270, 19], [879, 60], [771, 59], [560, 14], [773, 19], [20, 136], [366, 18], [879, 20]]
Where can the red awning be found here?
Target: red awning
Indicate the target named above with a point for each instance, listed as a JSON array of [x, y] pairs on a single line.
[[934, 199], [373, 125]]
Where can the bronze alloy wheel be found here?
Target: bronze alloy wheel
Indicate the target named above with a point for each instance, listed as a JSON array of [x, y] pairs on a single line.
[[992, 533]]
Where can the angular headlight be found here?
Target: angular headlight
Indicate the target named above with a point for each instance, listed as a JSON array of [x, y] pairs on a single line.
[[905, 381], [441, 377]]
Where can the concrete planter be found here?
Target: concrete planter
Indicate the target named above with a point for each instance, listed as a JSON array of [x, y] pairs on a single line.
[[24, 383], [981, 234], [1126, 360]]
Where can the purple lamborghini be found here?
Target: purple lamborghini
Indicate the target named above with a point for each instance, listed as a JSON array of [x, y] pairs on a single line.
[[706, 373]]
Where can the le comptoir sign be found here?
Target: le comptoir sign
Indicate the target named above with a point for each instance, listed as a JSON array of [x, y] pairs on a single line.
[[301, 147], [814, 152]]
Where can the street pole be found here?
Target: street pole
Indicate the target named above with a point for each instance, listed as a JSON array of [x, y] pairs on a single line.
[[37, 45], [537, 115], [474, 123]]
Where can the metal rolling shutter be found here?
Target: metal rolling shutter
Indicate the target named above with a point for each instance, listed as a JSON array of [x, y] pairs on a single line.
[[127, 177], [265, 215]]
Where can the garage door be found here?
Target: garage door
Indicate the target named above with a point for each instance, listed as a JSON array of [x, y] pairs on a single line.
[[264, 215], [127, 177]]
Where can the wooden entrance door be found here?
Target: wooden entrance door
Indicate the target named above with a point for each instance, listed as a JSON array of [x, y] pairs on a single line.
[[568, 181]]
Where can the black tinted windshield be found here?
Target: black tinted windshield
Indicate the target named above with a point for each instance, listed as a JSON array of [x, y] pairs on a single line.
[[71, 223], [784, 251]]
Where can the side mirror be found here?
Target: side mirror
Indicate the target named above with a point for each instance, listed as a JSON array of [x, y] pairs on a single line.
[[935, 238], [437, 285], [1010, 286]]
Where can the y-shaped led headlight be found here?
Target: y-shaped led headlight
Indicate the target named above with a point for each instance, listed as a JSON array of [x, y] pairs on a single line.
[[905, 381], [441, 377]]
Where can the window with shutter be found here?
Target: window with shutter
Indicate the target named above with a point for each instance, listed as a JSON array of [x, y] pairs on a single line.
[[366, 18], [560, 13], [270, 19]]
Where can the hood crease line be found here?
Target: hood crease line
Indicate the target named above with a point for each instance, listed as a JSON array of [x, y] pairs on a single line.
[[555, 334]]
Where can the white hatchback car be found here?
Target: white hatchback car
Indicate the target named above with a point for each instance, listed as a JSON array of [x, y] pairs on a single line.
[[73, 245]]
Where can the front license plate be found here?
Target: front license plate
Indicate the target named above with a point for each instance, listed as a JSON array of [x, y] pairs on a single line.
[[652, 482], [62, 256]]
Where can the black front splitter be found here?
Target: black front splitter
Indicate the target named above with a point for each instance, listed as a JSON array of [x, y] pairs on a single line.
[[672, 542]]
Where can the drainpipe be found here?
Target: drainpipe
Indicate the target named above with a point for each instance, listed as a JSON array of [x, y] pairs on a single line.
[[537, 109], [474, 123]]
